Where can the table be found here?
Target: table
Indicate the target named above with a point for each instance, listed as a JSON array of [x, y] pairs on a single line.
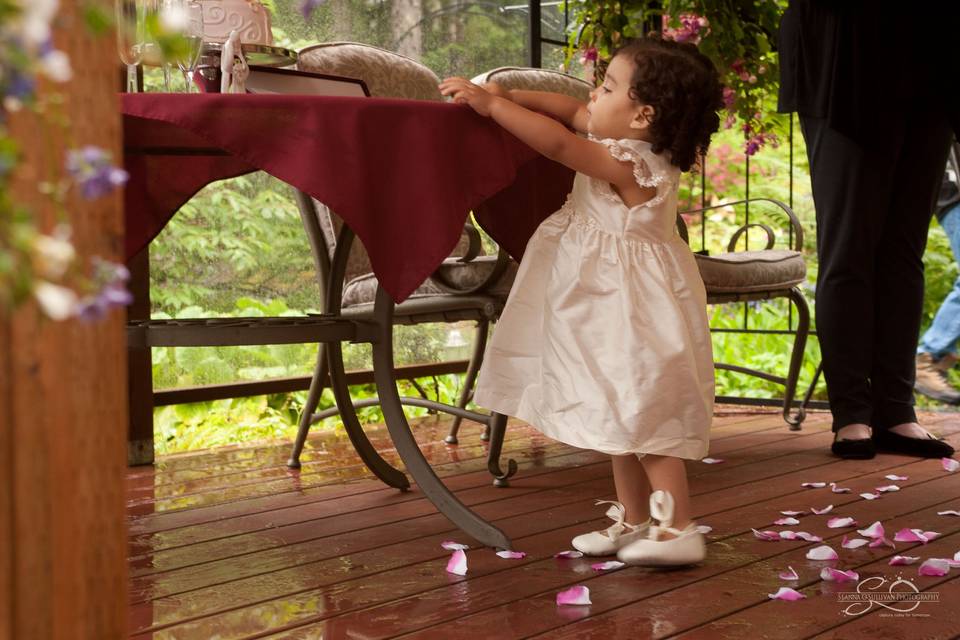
[[402, 174]]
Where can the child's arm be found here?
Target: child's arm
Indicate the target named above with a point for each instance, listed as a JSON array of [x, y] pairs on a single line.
[[569, 110], [545, 134]]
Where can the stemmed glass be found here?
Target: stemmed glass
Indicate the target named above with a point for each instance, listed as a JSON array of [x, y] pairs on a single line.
[[192, 33], [130, 37]]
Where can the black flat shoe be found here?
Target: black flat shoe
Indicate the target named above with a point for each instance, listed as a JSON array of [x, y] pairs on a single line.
[[928, 447], [859, 449]]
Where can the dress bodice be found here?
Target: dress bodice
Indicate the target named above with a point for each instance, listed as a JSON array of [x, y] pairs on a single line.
[[595, 203]]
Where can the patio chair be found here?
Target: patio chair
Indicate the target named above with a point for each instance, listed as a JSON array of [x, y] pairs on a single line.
[[741, 276], [468, 286]]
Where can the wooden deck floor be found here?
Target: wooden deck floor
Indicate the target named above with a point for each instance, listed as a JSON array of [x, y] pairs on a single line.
[[231, 544]]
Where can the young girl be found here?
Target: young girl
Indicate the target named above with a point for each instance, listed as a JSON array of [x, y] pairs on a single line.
[[604, 343]]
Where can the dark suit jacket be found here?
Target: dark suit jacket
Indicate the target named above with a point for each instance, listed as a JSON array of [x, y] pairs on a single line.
[[864, 64]]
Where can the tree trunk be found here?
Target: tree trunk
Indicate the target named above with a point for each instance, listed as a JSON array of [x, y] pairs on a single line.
[[405, 17]]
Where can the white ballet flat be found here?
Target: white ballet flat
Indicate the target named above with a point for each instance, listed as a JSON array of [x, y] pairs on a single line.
[[608, 541], [687, 548]]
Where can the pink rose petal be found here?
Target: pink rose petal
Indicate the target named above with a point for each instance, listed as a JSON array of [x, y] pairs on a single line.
[[450, 545], [786, 521], [788, 535], [837, 523], [789, 575], [873, 531], [956, 556], [879, 542], [895, 477], [809, 537], [458, 563], [711, 460], [856, 543], [512, 555], [835, 575], [820, 512], [951, 563], [568, 555], [889, 487], [786, 593], [704, 528], [951, 512], [578, 595], [869, 496], [607, 566], [910, 535], [903, 560], [934, 567], [766, 535], [949, 464], [836, 489], [823, 552], [930, 535], [792, 513], [813, 485]]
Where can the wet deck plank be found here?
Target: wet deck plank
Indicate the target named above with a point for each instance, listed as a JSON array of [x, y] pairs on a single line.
[[232, 544]]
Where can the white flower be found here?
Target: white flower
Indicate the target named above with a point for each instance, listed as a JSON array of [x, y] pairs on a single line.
[[35, 20], [53, 255], [58, 303], [174, 18], [56, 66]]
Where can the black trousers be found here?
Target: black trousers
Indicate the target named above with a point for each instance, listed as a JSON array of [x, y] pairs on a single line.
[[873, 208]]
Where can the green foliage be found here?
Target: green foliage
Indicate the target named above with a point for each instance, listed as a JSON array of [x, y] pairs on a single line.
[[188, 427]]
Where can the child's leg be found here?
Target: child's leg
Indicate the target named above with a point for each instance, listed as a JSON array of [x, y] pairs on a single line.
[[633, 487], [669, 474]]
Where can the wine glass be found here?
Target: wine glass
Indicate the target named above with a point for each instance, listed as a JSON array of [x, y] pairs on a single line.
[[192, 45], [130, 37]]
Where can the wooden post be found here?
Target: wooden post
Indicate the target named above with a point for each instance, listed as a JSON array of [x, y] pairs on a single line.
[[63, 390]]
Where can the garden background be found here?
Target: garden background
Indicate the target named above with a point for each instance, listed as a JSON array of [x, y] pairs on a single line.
[[238, 247]]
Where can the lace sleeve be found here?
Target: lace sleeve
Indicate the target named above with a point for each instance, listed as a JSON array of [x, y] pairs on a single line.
[[649, 169]]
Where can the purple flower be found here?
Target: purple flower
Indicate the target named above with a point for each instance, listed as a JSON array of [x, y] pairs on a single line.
[[111, 278], [589, 55], [90, 167], [307, 7]]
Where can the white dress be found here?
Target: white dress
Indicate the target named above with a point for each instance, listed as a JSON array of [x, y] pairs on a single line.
[[604, 342]]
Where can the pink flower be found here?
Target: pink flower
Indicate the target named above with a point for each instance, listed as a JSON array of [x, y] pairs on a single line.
[[729, 97], [589, 55]]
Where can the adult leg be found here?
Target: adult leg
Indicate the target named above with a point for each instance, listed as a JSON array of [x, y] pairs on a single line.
[[851, 187], [899, 267]]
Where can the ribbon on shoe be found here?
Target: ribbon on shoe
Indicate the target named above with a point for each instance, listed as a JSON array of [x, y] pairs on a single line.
[[617, 512], [661, 508]]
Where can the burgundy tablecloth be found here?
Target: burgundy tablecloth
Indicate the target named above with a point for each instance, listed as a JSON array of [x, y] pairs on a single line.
[[403, 174]]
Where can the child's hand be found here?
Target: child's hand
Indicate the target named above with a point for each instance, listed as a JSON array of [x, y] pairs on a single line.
[[465, 92]]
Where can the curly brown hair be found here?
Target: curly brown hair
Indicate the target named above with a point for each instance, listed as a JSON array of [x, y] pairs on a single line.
[[683, 87]]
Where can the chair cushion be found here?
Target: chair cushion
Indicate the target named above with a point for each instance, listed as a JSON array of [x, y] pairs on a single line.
[[533, 79], [387, 74], [750, 271], [363, 289]]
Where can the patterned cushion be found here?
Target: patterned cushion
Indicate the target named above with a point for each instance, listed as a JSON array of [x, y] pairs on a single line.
[[363, 290], [533, 79], [387, 74], [751, 271]]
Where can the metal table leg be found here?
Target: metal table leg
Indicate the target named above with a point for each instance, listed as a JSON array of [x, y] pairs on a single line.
[[406, 445]]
